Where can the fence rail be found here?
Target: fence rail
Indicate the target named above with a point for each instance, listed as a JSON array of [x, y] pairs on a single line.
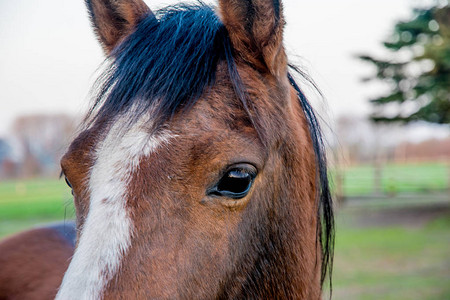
[[392, 180]]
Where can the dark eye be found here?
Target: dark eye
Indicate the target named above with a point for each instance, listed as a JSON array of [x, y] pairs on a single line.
[[235, 183]]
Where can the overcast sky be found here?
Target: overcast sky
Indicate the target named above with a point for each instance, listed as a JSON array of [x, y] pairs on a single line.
[[48, 53]]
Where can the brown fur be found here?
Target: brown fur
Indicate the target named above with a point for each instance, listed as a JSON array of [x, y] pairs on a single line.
[[32, 264]]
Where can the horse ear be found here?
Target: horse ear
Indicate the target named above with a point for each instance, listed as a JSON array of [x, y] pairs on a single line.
[[255, 28], [113, 20]]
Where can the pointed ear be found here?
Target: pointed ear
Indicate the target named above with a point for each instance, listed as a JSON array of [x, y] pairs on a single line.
[[256, 32], [113, 20]]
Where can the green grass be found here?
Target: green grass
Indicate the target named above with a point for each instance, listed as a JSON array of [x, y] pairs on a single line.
[[397, 178], [394, 262], [25, 203]]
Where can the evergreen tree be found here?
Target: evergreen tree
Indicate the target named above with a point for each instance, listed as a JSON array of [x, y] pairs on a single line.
[[418, 71]]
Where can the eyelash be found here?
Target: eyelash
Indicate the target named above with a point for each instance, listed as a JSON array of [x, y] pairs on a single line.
[[67, 182]]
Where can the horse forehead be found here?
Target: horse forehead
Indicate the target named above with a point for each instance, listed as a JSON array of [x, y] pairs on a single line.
[[124, 143], [109, 134]]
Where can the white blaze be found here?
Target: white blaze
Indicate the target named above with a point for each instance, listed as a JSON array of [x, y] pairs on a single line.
[[107, 231]]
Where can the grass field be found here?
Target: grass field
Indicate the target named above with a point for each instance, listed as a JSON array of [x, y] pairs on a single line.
[[397, 178], [396, 258], [382, 251], [31, 202]]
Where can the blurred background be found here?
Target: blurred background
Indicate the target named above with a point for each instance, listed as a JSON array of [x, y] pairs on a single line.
[[384, 70]]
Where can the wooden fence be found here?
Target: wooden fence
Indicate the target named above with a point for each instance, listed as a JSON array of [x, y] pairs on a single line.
[[390, 180]]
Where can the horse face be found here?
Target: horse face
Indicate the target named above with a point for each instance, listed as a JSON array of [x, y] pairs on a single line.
[[218, 201]]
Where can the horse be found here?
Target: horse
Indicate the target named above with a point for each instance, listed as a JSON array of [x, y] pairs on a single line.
[[200, 172]]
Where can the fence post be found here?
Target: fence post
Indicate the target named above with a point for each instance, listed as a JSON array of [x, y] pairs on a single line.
[[448, 177], [377, 178], [340, 178]]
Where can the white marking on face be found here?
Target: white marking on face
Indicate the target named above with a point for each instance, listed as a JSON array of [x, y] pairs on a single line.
[[107, 231]]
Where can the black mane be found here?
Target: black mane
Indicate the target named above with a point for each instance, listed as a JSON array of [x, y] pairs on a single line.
[[171, 58], [168, 62]]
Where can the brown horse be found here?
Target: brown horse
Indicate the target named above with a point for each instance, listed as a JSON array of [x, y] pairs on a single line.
[[200, 173]]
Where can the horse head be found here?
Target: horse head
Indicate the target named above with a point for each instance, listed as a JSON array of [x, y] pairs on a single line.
[[200, 172]]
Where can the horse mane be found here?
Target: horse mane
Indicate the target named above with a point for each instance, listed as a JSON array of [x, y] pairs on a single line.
[[168, 62]]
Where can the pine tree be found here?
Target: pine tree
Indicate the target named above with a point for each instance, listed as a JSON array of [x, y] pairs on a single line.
[[418, 71]]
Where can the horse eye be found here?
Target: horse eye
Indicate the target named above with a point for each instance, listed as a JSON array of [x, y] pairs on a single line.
[[236, 183]]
